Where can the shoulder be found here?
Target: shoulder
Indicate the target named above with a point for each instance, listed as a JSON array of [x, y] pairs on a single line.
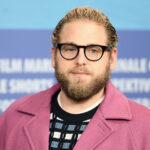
[[139, 111], [23, 100], [140, 116], [139, 125], [32, 100]]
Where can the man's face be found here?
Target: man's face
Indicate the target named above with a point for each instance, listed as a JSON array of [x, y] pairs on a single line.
[[80, 78]]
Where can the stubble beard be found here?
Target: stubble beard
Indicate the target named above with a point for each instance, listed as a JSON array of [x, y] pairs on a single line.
[[76, 91]]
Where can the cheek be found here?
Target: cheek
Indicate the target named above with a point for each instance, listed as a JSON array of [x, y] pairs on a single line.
[[62, 65], [54, 57], [55, 60], [102, 67]]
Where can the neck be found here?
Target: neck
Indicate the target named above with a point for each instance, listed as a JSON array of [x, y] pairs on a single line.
[[71, 106]]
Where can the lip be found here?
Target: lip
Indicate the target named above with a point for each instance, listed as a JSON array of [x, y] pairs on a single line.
[[79, 73]]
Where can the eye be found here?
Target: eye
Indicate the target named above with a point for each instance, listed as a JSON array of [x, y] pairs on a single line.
[[68, 48], [93, 51]]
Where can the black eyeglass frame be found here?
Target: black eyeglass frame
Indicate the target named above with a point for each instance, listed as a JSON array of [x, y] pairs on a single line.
[[104, 48]]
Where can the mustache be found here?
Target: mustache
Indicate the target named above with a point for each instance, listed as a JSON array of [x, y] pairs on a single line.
[[80, 69]]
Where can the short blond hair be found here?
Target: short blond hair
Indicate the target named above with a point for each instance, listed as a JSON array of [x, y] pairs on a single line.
[[89, 14]]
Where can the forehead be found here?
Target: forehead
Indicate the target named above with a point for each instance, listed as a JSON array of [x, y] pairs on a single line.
[[83, 32]]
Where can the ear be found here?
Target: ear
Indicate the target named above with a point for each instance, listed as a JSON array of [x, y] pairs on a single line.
[[53, 57], [113, 59]]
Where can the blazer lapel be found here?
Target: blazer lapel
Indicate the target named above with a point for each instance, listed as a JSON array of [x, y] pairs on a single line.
[[97, 131], [37, 131], [36, 111], [114, 106]]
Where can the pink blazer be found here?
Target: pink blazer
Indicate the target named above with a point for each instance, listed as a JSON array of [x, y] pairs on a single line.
[[118, 124]]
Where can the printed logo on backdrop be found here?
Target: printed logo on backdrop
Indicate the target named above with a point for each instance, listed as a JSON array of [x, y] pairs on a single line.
[[20, 84], [20, 77], [135, 80]]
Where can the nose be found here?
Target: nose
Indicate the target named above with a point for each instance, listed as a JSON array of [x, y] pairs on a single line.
[[81, 59]]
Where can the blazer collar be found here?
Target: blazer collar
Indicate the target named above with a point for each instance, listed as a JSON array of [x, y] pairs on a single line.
[[115, 105], [32, 104]]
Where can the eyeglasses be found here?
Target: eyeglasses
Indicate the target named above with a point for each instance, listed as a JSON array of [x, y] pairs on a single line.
[[92, 52]]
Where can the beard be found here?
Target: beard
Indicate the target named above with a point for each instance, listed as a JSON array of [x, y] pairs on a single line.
[[77, 91]]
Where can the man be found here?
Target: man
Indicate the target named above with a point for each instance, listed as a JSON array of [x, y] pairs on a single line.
[[84, 111]]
